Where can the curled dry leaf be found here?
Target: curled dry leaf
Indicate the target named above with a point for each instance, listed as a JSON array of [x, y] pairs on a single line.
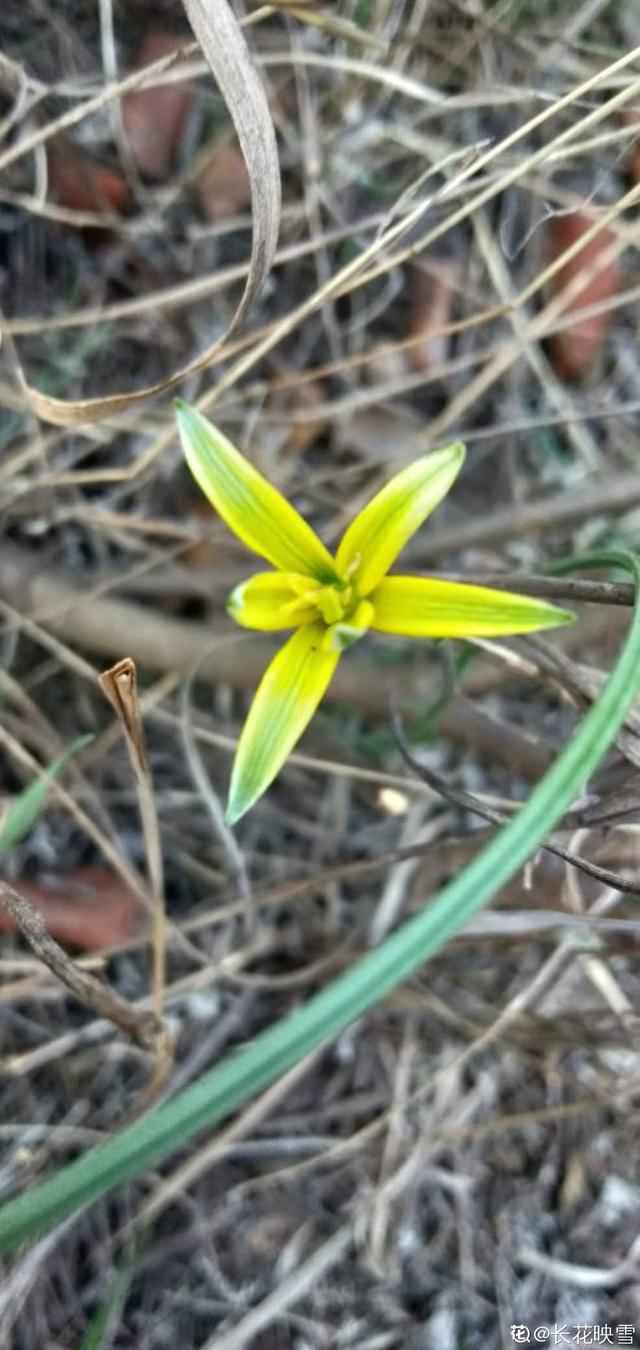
[[222, 186], [78, 181], [431, 305], [225, 49], [88, 908], [574, 349], [154, 119]]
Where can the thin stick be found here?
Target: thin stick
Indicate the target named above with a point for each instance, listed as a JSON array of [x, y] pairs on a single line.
[[553, 588], [143, 1027], [120, 685], [460, 797]]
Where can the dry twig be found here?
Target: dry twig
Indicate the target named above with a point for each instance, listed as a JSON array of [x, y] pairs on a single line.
[[143, 1027]]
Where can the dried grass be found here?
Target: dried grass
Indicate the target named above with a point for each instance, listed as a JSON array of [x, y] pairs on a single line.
[[466, 1157]]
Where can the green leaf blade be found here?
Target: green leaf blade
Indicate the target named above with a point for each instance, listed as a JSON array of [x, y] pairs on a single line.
[[28, 806]]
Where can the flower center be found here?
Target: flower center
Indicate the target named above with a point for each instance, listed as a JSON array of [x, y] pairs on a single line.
[[347, 616], [338, 605], [334, 602]]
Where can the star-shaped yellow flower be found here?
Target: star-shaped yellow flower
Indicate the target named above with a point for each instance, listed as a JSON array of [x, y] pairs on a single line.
[[332, 602]]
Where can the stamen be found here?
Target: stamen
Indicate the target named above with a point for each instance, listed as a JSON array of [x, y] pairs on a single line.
[[330, 605], [353, 566]]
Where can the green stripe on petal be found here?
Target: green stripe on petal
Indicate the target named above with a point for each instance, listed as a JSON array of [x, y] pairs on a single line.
[[269, 601], [425, 607], [256, 512], [286, 699], [376, 537]]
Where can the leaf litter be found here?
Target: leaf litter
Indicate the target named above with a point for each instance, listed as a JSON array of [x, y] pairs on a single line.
[[464, 1158]]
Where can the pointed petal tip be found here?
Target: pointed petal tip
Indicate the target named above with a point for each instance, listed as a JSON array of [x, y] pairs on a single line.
[[559, 617], [241, 798], [453, 454], [550, 615], [234, 812], [447, 457]]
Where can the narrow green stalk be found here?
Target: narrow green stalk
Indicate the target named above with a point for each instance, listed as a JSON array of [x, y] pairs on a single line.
[[248, 1070]]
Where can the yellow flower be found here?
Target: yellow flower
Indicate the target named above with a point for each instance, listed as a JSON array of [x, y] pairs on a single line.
[[332, 602]]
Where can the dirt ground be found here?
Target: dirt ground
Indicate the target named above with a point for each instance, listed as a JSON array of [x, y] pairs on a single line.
[[459, 1171]]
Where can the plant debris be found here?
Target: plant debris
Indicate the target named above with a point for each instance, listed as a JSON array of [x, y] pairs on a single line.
[[464, 1159]]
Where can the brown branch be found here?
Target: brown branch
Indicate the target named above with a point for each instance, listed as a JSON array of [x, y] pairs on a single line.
[[144, 1028], [213, 584], [563, 589]]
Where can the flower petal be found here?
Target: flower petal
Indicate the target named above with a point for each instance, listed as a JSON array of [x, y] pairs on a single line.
[[426, 607], [256, 512], [287, 697], [376, 537], [268, 601]]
